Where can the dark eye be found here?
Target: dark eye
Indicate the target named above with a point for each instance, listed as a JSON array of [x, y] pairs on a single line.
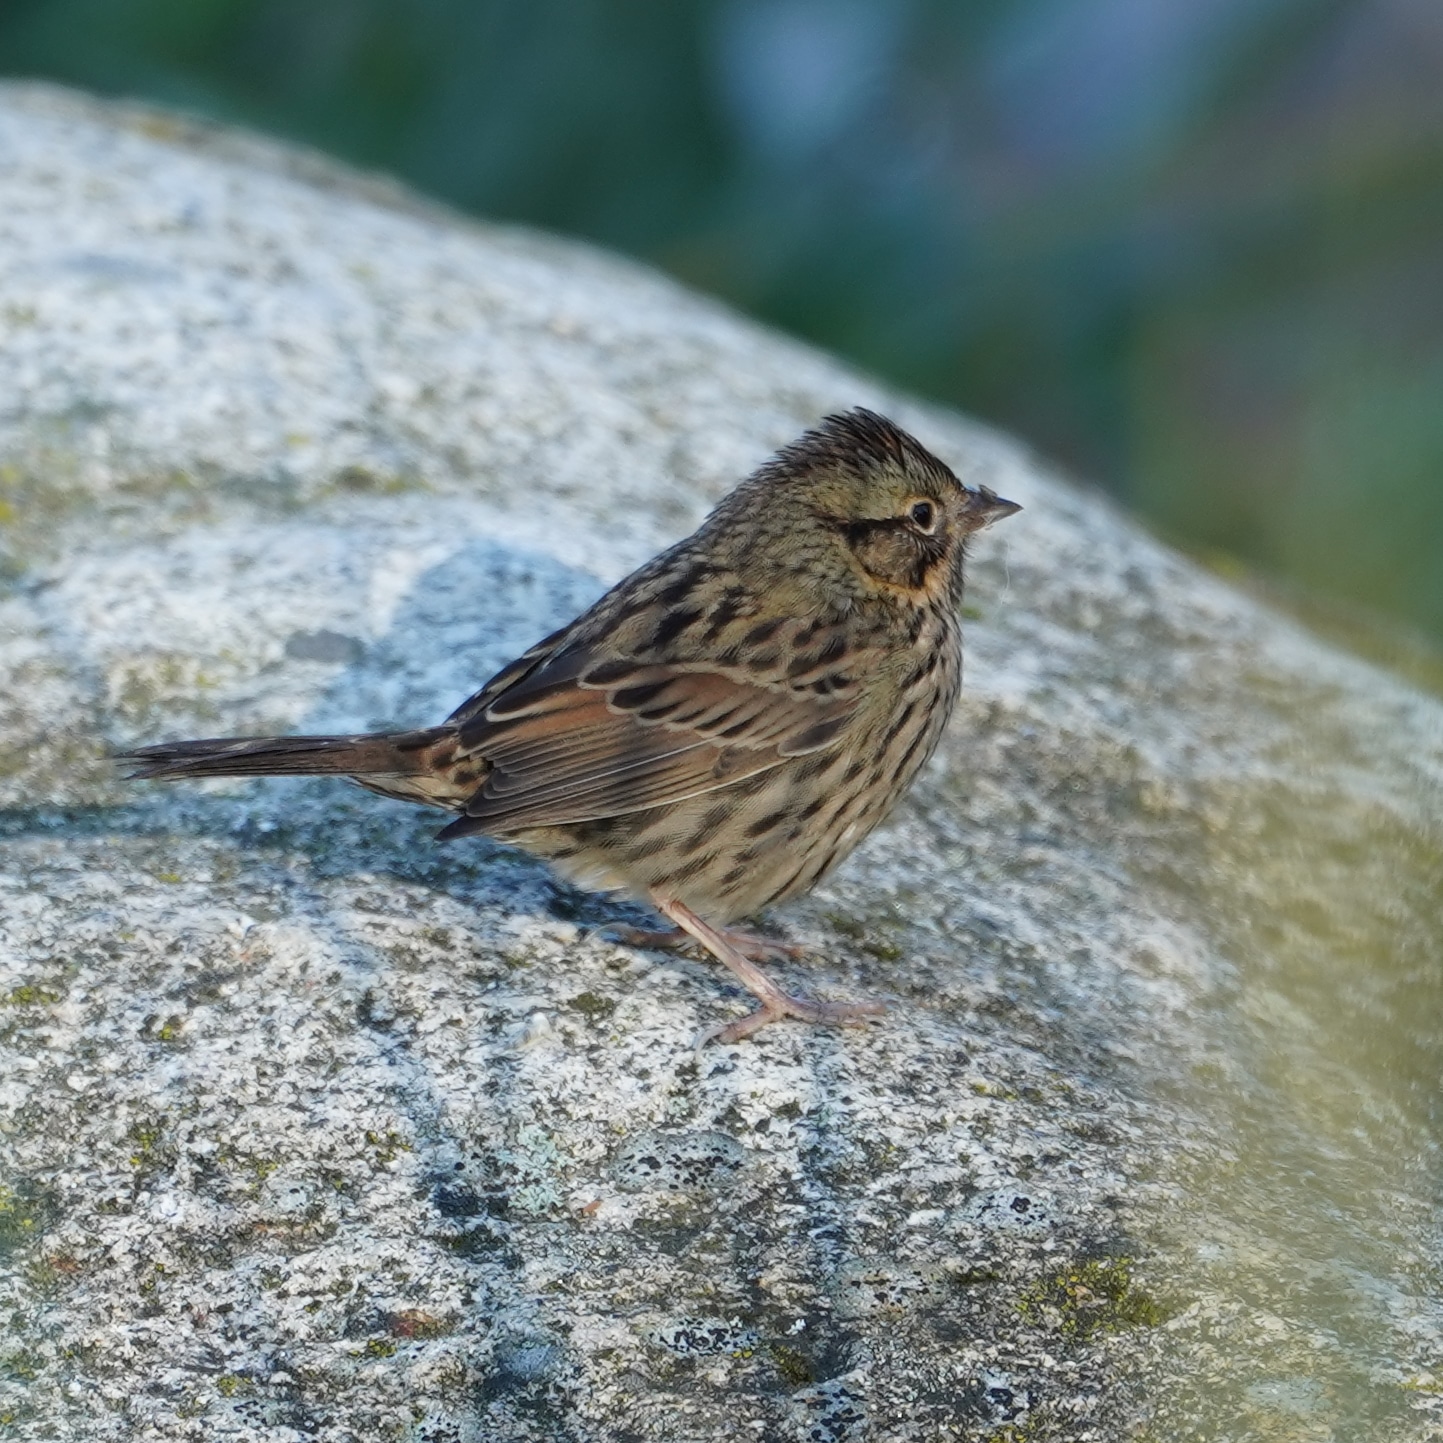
[[922, 515]]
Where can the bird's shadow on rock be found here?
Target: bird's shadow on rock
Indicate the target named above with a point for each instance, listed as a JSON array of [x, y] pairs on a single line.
[[458, 624], [455, 625]]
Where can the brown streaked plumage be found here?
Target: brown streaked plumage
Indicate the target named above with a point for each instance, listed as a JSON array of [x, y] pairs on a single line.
[[727, 723]]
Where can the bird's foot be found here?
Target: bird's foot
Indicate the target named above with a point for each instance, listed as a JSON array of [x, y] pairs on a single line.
[[804, 1009], [752, 945], [731, 948]]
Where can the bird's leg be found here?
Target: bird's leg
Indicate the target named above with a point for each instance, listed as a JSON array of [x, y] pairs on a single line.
[[776, 1004], [672, 939]]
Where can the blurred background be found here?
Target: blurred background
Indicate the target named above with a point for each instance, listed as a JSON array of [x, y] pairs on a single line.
[[1190, 249]]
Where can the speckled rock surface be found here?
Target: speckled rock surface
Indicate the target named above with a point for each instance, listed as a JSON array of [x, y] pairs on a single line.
[[312, 1129]]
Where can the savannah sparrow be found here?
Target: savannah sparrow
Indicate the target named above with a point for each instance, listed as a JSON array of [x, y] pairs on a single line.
[[726, 724]]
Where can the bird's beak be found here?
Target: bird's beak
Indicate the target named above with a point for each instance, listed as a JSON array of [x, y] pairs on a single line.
[[984, 506]]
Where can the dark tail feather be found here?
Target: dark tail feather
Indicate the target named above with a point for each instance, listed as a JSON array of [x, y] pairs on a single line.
[[381, 753]]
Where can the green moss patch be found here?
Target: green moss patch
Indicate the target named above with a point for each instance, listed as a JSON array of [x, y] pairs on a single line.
[[1085, 1299]]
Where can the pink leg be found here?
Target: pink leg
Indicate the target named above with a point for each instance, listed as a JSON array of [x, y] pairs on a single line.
[[776, 1004]]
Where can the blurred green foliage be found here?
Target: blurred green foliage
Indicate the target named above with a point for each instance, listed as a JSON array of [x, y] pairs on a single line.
[[1194, 250]]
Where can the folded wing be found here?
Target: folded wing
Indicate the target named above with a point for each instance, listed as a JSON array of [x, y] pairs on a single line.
[[572, 738]]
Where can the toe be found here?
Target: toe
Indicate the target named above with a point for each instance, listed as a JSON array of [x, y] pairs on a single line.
[[761, 949], [802, 1009], [834, 1014], [743, 1027], [664, 939]]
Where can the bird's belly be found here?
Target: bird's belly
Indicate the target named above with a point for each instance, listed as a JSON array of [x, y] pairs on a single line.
[[730, 853]]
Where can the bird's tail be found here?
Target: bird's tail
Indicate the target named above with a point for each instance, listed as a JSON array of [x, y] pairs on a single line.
[[404, 764]]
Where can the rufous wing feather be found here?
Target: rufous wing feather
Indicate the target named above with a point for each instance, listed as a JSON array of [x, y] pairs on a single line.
[[576, 739]]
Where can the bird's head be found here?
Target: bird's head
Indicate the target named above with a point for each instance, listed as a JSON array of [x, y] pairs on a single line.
[[859, 493]]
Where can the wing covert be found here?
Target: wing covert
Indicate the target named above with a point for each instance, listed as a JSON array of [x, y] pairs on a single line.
[[574, 737]]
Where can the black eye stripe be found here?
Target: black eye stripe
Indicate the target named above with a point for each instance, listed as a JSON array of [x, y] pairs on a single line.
[[857, 531]]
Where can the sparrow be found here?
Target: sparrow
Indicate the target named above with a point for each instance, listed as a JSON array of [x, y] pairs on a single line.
[[724, 725]]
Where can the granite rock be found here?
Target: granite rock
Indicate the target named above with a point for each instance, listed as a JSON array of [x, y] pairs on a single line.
[[310, 1128]]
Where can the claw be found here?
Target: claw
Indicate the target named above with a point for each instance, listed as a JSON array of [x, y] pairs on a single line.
[[730, 948]]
